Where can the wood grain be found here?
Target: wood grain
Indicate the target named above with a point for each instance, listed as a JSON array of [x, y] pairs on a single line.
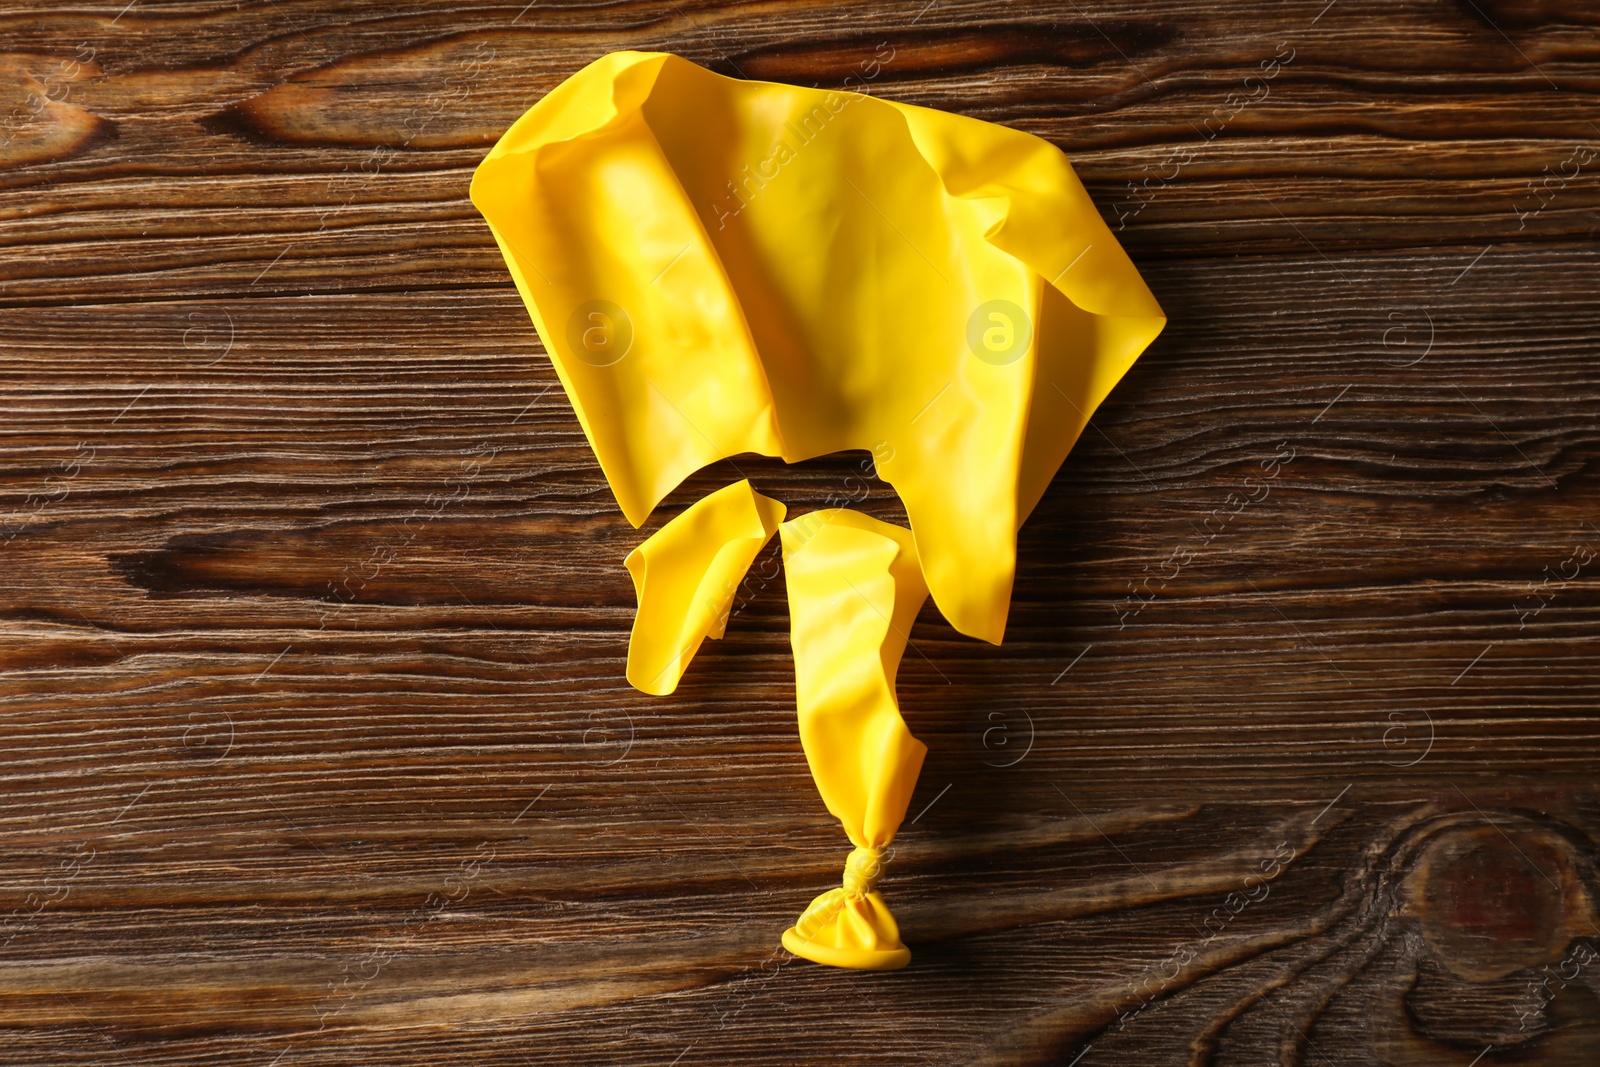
[[313, 619]]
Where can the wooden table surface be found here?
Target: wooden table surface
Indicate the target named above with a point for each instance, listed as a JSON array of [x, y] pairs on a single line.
[[317, 746]]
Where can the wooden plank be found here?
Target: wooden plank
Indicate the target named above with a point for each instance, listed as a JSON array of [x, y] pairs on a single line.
[[350, 140]]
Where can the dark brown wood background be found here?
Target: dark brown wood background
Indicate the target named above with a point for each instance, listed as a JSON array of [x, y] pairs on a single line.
[[1299, 769]]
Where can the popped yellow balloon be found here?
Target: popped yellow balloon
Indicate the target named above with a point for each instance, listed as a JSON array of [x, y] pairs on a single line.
[[719, 266]]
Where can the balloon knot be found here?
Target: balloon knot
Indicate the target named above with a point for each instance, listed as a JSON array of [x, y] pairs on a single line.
[[862, 871]]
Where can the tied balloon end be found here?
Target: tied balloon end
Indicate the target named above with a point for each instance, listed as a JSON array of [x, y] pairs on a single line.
[[851, 926], [862, 870]]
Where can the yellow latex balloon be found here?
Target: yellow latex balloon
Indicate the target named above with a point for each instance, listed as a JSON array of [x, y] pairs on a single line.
[[719, 266], [685, 576], [855, 587]]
